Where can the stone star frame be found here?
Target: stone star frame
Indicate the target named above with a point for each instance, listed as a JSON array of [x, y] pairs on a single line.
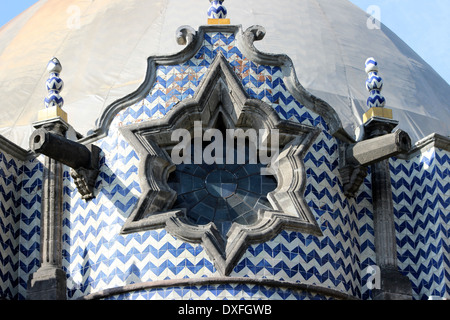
[[221, 93]]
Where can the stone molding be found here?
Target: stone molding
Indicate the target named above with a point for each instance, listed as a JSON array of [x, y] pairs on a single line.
[[193, 40], [200, 282], [434, 140], [14, 150]]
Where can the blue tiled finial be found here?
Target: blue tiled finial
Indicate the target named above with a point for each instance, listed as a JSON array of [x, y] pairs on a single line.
[[217, 10], [54, 85], [374, 85]]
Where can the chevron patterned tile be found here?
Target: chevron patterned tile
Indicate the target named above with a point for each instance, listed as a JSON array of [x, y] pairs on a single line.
[[263, 83], [8, 226], [295, 257], [97, 257], [11, 175], [219, 292], [176, 83], [30, 208], [420, 192]]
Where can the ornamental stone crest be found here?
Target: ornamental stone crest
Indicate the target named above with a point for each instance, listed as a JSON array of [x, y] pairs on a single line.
[[189, 187]]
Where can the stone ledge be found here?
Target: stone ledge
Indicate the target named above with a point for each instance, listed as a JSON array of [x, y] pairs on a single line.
[[338, 295]]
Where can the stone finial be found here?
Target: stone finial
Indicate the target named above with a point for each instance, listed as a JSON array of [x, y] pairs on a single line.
[[374, 85], [376, 101], [54, 85], [217, 10]]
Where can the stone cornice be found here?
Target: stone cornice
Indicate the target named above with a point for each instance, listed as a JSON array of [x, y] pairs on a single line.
[[434, 140], [199, 282], [14, 150]]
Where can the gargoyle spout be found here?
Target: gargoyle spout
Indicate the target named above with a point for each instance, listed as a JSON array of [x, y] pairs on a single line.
[[84, 160], [368, 152]]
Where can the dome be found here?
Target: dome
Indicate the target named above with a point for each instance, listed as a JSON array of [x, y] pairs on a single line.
[[103, 46]]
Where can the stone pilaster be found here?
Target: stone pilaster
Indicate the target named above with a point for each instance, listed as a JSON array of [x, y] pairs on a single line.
[[394, 285], [49, 281]]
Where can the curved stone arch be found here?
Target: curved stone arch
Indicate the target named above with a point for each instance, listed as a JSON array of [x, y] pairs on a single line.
[[221, 92], [185, 35], [193, 40]]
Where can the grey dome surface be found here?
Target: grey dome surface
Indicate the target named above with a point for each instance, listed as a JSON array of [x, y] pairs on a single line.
[[103, 46]]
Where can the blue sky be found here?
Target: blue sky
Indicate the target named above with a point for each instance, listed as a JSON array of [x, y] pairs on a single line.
[[10, 9], [423, 25]]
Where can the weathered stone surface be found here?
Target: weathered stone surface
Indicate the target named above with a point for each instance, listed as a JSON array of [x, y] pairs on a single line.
[[47, 284]]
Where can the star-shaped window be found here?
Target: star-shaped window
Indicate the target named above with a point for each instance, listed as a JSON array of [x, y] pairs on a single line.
[[225, 192], [225, 207]]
